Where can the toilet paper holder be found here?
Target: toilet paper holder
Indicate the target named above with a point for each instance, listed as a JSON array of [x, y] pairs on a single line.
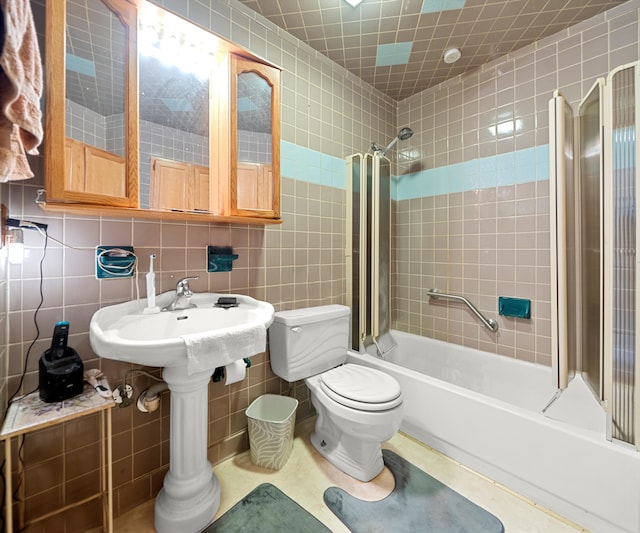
[[219, 372]]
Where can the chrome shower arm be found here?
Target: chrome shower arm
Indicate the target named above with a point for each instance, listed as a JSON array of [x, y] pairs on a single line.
[[390, 145]]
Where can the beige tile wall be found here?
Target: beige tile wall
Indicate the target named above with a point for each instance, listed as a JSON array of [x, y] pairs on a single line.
[[300, 262], [493, 240], [479, 244], [295, 264]]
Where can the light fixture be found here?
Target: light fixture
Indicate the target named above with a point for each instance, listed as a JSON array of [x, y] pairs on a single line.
[[506, 127], [353, 3], [452, 55], [14, 240], [169, 39]]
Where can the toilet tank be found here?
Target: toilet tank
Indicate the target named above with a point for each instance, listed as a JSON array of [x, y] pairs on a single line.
[[308, 341]]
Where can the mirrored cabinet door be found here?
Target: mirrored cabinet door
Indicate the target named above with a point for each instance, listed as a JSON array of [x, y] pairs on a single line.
[[91, 148], [177, 65], [255, 139]]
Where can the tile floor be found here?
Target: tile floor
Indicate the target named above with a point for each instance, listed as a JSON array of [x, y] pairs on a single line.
[[306, 475]]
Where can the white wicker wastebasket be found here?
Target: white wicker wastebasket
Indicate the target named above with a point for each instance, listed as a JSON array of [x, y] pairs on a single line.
[[271, 420]]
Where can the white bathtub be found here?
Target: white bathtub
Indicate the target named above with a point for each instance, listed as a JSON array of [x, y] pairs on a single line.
[[485, 411]]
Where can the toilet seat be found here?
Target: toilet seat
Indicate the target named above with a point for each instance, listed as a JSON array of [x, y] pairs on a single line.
[[361, 387]]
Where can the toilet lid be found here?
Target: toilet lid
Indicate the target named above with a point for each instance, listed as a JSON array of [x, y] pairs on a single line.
[[361, 387]]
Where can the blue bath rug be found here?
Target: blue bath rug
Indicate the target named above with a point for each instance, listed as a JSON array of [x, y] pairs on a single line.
[[418, 502], [268, 510]]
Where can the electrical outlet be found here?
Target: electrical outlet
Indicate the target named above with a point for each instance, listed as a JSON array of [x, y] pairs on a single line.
[[122, 395]]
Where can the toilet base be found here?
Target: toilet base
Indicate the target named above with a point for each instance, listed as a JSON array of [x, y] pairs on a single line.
[[355, 457]]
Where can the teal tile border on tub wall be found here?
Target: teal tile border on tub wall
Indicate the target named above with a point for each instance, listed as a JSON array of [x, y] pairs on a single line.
[[304, 164], [522, 166]]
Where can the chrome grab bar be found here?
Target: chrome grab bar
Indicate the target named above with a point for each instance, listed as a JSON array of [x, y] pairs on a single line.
[[489, 322]]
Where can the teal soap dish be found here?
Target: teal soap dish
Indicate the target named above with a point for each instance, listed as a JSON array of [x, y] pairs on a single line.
[[220, 258], [514, 307]]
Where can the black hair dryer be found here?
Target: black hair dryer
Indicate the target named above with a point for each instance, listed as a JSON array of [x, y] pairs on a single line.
[[60, 368]]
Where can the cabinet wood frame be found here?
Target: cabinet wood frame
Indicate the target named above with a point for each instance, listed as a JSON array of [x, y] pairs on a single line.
[[60, 155], [271, 75], [55, 159]]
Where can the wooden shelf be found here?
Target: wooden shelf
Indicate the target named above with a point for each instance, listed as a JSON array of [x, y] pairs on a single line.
[[125, 212]]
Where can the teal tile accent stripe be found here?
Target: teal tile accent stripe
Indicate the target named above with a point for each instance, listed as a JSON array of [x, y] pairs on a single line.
[[433, 6], [246, 104], [177, 104], [523, 166], [80, 65], [393, 54], [304, 164]]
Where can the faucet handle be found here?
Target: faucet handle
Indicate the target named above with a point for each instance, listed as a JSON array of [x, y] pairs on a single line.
[[182, 286]]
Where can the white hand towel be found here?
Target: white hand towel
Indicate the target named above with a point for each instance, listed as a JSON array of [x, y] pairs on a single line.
[[224, 347]]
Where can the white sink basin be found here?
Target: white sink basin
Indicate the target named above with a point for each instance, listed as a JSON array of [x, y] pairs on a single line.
[[190, 496], [124, 333]]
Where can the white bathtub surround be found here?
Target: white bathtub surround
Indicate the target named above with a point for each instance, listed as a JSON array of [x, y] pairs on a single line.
[[576, 405], [485, 411]]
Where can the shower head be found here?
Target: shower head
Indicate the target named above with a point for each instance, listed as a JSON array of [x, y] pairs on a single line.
[[403, 135]]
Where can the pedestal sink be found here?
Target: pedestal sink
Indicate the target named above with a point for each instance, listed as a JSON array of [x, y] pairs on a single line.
[[190, 496]]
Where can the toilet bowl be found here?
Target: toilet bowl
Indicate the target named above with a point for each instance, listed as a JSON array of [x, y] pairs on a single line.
[[358, 407]]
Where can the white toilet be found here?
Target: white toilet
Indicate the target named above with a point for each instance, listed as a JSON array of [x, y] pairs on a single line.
[[358, 407]]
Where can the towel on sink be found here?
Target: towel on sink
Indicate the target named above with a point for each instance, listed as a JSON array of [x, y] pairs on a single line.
[[225, 346]]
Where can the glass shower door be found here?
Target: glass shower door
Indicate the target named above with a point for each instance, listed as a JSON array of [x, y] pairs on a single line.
[[590, 260], [621, 274]]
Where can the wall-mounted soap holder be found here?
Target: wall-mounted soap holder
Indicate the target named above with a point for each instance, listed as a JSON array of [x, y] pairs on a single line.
[[115, 262], [220, 258], [514, 307]]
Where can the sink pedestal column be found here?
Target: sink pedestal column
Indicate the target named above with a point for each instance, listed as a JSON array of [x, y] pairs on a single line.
[[190, 496]]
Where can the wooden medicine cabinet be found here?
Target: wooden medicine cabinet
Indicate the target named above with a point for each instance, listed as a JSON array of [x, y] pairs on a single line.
[[132, 132]]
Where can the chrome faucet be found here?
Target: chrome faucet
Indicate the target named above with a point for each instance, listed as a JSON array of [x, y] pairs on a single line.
[[183, 293]]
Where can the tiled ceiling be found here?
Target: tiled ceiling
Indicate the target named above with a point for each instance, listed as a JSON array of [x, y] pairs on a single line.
[[398, 45]]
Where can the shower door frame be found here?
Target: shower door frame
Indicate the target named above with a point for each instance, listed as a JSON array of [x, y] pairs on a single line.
[[601, 187], [368, 262], [561, 178]]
